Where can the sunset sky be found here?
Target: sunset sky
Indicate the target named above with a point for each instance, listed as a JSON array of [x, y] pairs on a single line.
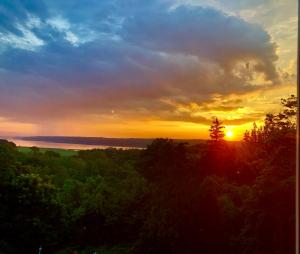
[[140, 68]]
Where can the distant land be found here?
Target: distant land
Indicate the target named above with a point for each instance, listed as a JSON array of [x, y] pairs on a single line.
[[102, 141]]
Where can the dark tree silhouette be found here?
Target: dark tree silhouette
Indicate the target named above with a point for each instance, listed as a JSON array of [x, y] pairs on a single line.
[[216, 130], [275, 125], [171, 198]]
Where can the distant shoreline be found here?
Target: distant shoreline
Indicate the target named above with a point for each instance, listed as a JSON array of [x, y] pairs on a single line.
[[57, 145], [69, 142]]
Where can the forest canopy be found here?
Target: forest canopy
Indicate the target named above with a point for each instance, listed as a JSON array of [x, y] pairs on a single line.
[[215, 197]]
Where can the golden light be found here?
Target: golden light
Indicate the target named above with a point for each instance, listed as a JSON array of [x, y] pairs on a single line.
[[229, 134]]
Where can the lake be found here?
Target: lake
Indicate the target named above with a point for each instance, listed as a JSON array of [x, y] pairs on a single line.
[[45, 144]]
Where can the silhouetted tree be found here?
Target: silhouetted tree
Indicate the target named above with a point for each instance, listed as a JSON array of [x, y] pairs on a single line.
[[278, 125], [255, 135], [216, 130], [171, 198], [269, 212]]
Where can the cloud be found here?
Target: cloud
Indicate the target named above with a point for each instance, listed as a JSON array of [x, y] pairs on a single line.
[[26, 40], [205, 33], [73, 60], [279, 18]]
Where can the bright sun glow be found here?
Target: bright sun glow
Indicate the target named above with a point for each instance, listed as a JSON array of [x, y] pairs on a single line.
[[229, 134]]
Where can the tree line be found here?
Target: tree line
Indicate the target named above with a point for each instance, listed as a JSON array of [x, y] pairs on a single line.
[[217, 197]]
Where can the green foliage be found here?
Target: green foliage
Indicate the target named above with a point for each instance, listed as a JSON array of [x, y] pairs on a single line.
[[30, 215], [50, 151], [172, 197]]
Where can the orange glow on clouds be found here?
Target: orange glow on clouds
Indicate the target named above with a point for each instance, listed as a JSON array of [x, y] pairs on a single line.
[[163, 88]]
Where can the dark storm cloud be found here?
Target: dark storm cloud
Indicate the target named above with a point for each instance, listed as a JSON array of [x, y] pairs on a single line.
[[58, 58], [205, 33]]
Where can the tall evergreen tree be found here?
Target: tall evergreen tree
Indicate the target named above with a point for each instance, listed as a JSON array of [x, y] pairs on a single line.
[[216, 130]]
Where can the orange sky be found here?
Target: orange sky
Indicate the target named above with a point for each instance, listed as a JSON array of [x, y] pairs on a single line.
[[168, 76]]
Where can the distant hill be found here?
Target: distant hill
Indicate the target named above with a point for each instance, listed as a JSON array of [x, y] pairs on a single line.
[[101, 141]]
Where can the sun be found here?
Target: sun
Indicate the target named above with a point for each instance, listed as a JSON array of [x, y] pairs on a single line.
[[229, 134]]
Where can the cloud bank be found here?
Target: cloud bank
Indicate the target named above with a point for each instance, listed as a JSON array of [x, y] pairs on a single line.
[[134, 60]]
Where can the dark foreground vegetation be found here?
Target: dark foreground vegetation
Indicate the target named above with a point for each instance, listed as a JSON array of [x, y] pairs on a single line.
[[214, 197]]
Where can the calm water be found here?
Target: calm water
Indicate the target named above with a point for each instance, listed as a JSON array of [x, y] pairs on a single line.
[[43, 144]]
